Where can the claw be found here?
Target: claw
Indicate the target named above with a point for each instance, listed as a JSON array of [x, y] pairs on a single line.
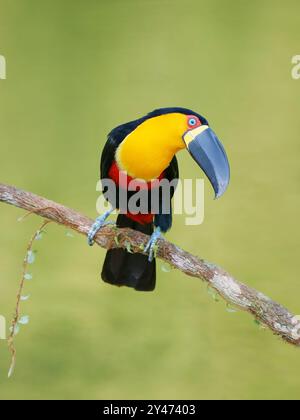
[[152, 243], [99, 223]]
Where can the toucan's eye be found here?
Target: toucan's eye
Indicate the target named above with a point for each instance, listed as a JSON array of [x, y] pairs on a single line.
[[193, 122]]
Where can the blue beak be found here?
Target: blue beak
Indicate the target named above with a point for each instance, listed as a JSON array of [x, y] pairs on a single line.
[[209, 153]]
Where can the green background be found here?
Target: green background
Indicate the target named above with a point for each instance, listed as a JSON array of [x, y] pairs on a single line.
[[75, 69]]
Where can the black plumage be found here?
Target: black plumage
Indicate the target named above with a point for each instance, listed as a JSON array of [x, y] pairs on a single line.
[[122, 268]]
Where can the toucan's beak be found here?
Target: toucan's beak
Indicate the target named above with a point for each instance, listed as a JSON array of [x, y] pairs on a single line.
[[207, 150]]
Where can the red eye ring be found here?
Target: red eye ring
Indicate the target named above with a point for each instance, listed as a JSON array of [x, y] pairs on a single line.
[[193, 121]]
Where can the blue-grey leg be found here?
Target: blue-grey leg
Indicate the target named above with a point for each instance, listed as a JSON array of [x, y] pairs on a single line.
[[152, 243], [99, 223]]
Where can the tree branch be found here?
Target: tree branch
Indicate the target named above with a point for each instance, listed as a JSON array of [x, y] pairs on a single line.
[[269, 313]]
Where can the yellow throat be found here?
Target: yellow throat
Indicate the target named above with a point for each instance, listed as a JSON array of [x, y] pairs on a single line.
[[148, 150]]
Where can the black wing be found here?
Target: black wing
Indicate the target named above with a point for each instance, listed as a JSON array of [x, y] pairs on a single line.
[[164, 219], [108, 156], [172, 173], [114, 139]]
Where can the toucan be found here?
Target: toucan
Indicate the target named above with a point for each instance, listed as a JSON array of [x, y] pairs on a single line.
[[144, 150]]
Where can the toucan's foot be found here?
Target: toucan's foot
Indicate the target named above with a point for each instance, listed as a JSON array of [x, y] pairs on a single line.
[[151, 245], [99, 223]]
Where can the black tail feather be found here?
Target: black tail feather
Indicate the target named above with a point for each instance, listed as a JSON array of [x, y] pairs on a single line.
[[122, 268]]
